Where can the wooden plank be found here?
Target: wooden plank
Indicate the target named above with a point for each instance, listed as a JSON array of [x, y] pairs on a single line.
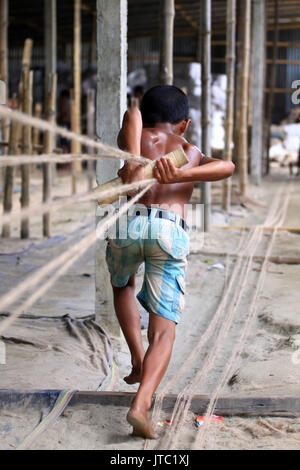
[[232, 405]]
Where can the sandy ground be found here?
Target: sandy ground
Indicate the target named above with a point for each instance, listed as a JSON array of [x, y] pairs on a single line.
[[267, 361]]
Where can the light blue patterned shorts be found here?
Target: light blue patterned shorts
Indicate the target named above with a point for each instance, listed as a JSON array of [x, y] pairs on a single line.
[[163, 246]]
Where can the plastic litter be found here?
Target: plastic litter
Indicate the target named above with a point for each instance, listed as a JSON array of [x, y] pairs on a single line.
[[200, 419], [216, 266]]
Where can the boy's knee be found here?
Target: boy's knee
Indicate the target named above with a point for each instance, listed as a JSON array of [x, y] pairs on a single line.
[[165, 333]]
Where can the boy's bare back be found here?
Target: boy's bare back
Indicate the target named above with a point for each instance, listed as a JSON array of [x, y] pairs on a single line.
[[155, 143]]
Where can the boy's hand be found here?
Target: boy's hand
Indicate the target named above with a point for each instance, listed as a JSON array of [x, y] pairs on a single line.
[[130, 173], [166, 172]]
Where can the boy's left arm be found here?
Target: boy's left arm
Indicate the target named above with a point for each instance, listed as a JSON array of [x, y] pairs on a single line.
[[209, 169]]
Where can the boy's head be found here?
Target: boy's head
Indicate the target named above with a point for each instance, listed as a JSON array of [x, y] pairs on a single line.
[[164, 103]]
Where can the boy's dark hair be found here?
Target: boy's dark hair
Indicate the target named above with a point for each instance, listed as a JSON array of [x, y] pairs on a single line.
[[164, 103]]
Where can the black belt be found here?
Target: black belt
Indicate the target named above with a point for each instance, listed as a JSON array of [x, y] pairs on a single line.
[[165, 215]]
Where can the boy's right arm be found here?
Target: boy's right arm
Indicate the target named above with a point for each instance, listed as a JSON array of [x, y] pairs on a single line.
[[129, 139]]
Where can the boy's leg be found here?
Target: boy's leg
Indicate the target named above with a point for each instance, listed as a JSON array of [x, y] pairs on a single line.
[[129, 318], [161, 335]]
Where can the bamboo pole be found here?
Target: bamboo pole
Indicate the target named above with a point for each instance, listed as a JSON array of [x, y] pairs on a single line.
[[76, 108], [238, 80], [243, 134], [10, 173], [48, 148], [91, 134], [259, 50], [27, 149], [230, 68], [206, 103], [4, 58], [167, 15], [270, 100], [36, 132]]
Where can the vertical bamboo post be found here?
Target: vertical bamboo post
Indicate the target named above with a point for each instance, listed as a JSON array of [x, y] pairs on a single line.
[[4, 57], [243, 133], [206, 103], [26, 149], [271, 86], [36, 132], [48, 148], [258, 86], [91, 134], [76, 109], [9, 176], [238, 79], [167, 15], [230, 68]]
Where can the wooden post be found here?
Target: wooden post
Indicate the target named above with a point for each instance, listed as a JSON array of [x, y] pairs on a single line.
[[36, 132], [272, 84], [26, 100], [259, 31], [48, 148], [206, 103], [76, 111], [238, 79], [167, 8], [230, 68], [91, 134], [26, 149], [9, 175], [4, 58], [243, 134]]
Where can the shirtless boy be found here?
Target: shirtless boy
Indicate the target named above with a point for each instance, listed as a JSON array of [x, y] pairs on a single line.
[[156, 235]]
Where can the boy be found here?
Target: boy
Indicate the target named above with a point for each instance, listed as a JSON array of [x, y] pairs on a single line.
[[156, 236]]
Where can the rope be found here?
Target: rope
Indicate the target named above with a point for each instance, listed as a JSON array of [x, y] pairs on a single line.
[[184, 406], [65, 260], [199, 442], [31, 121], [42, 208], [13, 160], [185, 396]]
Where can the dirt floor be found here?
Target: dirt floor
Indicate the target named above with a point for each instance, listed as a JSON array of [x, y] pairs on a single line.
[[225, 358]]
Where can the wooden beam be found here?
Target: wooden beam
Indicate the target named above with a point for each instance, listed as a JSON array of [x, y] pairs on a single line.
[[167, 15], [232, 405]]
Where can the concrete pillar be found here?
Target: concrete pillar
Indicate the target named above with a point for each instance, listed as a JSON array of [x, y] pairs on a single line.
[[258, 48], [110, 107]]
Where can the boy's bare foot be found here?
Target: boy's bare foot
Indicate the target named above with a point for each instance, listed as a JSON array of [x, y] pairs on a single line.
[[141, 423], [134, 377]]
